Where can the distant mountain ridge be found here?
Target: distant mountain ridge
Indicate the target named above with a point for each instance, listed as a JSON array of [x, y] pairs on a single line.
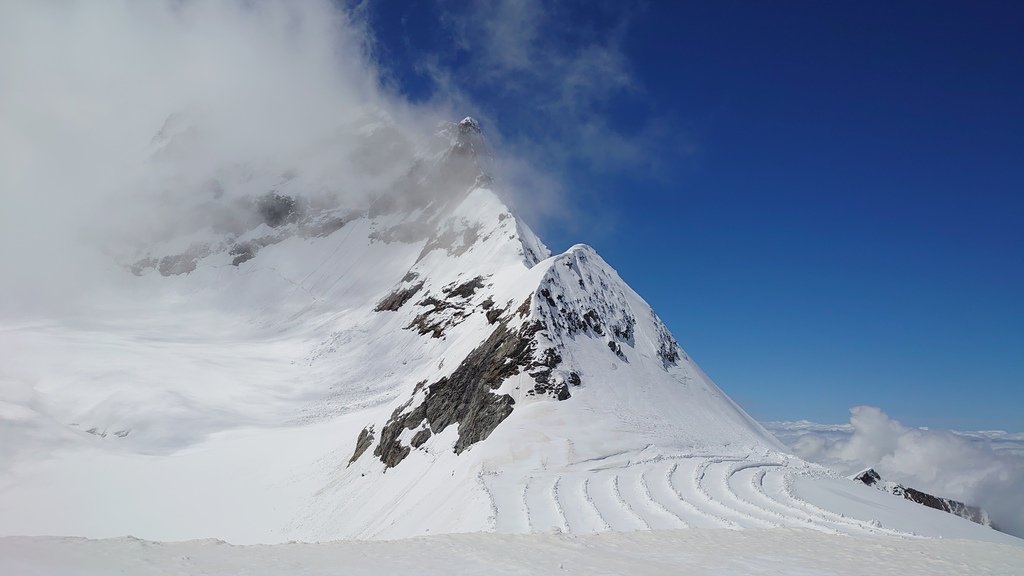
[[973, 513]]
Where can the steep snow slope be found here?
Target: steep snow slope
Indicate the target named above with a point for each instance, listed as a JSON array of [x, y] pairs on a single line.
[[421, 366]]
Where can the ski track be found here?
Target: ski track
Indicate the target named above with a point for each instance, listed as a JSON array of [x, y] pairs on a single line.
[[542, 504], [627, 503], [671, 519], [493, 519], [698, 482], [510, 512], [562, 519], [684, 483], [525, 502], [738, 482], [580, 514], [713, 479], [767, 486], [671, 498], [609, 503], [665, 492], [850, 525], [593, 505], [748, 483]]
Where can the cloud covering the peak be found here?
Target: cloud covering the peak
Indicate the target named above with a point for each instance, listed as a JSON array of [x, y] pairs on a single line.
[[124, 120]]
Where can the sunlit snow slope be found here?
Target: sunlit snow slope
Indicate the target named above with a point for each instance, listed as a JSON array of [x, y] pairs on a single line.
[[422, 366]]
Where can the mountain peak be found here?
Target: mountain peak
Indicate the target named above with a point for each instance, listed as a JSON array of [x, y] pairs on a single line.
[[467, 140], [469, 125]]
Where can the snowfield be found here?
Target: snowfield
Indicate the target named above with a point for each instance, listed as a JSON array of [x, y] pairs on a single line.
[[789, 551]]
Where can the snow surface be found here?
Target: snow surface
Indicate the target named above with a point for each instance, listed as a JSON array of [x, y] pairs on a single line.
[[787, 551], [226, 403]]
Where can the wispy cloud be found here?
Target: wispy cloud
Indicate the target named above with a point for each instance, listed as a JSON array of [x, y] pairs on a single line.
[[561, 74], [239, 91], [249, 90], [551, 81], [558, 81], [520, 46]]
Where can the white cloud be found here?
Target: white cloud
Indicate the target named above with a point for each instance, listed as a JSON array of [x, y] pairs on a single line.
[[261, 88], [964, 466], [253, 89]]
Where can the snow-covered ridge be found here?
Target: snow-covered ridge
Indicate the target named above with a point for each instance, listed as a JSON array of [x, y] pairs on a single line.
[[422, 364], [973, 513]]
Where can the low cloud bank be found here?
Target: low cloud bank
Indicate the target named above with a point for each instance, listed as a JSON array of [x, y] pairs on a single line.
[[980, 468]]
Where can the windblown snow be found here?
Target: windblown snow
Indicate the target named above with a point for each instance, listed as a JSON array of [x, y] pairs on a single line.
[[420, 366]]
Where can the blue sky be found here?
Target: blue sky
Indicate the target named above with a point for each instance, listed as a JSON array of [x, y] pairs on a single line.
[[822, 200]]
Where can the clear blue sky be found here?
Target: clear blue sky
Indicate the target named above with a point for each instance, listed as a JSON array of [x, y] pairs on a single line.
[[823, 200]]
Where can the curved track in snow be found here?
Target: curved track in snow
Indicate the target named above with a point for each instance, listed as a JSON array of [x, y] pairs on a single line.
[[666, 492]]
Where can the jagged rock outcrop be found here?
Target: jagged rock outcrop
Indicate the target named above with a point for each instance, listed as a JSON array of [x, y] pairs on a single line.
[[467, 397], [973, 513], [364, 441]]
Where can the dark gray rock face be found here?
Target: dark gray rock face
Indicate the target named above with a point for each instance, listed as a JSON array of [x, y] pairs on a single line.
[[245, 251], [323, 227], [287, 215], [398, 298], [451, 310], [276, 209], [465, 397], [454, 241], [493, 315], [466, 138], [972, 513], [420, 438], [405, 233], [177, 264], [669, 350], [432, 321], [390, 449], [466, 289], [542, 373], [364, 441], [173, 264], [869, 477]]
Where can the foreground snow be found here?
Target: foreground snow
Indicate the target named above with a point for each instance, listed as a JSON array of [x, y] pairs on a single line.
[[778, 551]]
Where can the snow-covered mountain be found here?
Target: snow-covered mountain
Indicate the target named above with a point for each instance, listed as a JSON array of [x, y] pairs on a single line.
[[419, 364]]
